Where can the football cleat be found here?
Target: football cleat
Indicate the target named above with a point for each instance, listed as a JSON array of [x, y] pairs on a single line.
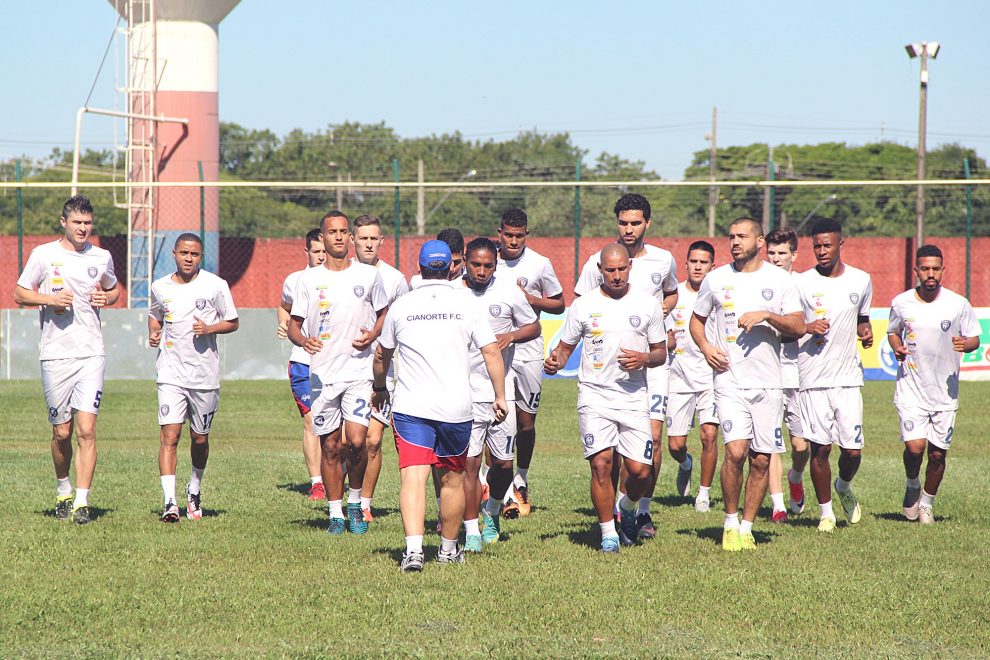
[[171, 513], [702, 505], [455, 557], [521, 496], [412, 562], [355, 519], [683, 484], [628, 529], [472, 543], [779, 516], [63, 507], [194, 510], [826, 524], [80, 515], [317, 492], [646, 528], [510, 510], [336, 526], [493, 528], [925, 515], [850, 505], [912, 502], [731, 541], [610, 545], [746, 541], [797, 494]]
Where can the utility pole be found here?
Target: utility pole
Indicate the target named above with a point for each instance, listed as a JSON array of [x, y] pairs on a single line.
[[924, 50], [713, 191], [420, 200], [768, 195]]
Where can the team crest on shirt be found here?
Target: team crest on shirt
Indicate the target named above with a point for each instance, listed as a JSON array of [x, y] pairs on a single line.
[[495, 310], [657, 278], [908, 425], [163, 409], [767, 294], [53, 413], [634, 321], [201, 304], [318, 421], [945, 325], [854, 298], [589, 440], [92, 271], [727, 425], [522, 281], [358, 291]]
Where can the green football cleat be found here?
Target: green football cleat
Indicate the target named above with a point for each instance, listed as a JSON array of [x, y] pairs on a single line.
[[336, 526], [747, 542], [826, 525], [355, 519], [63, 507], [492, 530], [81, 515], [850, 505], [731, 541], [472, 543]]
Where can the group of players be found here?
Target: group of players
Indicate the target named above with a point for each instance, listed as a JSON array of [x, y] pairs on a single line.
[[740, 347]]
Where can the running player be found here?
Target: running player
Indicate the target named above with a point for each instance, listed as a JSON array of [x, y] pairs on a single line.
[[337, 313], [836, 299], [534, 274], [781, 252], [691, 388], [299, 366], [622, 333], [431, 331], [368, 240], [753, 303], [189, 308], [70, 280], [929, 327], [653, 271], [514, 323]]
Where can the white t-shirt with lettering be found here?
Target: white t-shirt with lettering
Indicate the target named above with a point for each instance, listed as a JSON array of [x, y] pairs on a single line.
[[653, 273], [184, 359], [433, 328], [929, 377], [298, 353], [727, 294], [74, 332], [606, 325], [533, 272], [833, 360], [689, 371], [336, 307]]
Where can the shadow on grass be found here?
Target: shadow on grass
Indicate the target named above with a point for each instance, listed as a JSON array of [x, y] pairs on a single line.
[[714, 534], [95, 513], [313, 523], [207, 513], [899, 518], [302, 489], [383, 513], [675, 501]]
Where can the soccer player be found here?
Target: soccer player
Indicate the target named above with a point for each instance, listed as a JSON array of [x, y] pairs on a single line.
[[781, 252], [753, 303], [623, 335], [514, 323], [189, 308], [836, 299], [368, 240], [691, 389], [337, 313], [299, 366], [534, 274], [70, 280], [929, 327], [653, 271], [430, 331]]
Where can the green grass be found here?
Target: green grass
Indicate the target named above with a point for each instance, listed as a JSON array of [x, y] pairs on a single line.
[[259, 576]]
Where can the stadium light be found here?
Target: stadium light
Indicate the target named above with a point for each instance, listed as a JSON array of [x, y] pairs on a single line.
[[923, 51], [467, 175]]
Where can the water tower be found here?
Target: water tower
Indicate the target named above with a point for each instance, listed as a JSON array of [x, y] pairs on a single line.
[[172, 62]]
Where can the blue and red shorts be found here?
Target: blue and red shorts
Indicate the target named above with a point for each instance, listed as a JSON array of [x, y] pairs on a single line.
[[299, 381], [419, 441]]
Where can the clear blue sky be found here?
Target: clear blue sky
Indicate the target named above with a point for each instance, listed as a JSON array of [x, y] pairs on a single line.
[[637, 79]]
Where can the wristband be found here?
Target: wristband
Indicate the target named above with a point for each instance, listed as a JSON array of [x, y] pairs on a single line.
[[375, 388]]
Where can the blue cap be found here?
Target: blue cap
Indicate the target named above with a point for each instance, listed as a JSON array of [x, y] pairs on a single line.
[[434, 255]]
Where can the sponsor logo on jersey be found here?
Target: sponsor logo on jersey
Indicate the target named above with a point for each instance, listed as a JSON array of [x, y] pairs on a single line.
[[163, 409], [634, 321], [945, 325], [589, 440], [657, 278], [522, 281], [358, 291], [201, 304], [727, 425], [908, 425], [767, 294], [854, 298], [495, 310], [91, 271]]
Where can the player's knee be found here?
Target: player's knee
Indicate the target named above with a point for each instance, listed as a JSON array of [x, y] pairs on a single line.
[[525, 425], [759, 462], [936, 455], [735, 452], [852, 454], [199, 439], [85, 437], [61, 433]]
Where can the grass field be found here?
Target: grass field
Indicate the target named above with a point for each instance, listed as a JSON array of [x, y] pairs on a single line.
[[258, 575]]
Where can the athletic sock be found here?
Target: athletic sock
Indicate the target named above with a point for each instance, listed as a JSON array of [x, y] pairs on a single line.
[[168, 488], [507, 497], [794, 477], [687, 464], [63, 487], [353, 495], [914, 483], [644, 505], [627, 506], [841, 486], [483, 472], [448, 546], [615, 508], [927, 500], [471, 527], [196, 480], [731, 521], [414, 544], [520, 479], [746, 527], [366, 503], [778, 501], [703, 492], [335, 508], [492, 507], [82, 498], [826, 510], [315, 480], [608, 529]]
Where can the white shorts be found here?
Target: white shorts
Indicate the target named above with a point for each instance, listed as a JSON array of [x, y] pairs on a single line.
[[177, 404], [935, 426], [501, 437], [657, 381], [384, 416], [792, 412], [681, 407], [529, 385], [72, 384], [628, 431], [833, 416], [752, 415], [349, 401]]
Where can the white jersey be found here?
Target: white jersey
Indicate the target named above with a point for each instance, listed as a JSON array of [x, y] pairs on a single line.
[[506, 309], [393, 281], [727, 294], [929, 377], [184, 359], [298, 353], [337, 306], [653, 273], [832, 360], [607, 324], [534, 273], [74, 332], [789, 357], [689, 371], [433, 328]]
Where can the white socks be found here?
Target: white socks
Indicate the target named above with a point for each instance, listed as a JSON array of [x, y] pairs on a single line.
[[731, 521], [315, 480], [366, 503], [703, 492], [746, 527], [927, 501], [608, 529], [520, 479], [168, 488], [196, 480], [82, 498], [63, 487], [826, 510], [778, 501], [414, 544], [336, 509], [644, 505], [448, 546], [353, 495], [471, 528], [626, 505]]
